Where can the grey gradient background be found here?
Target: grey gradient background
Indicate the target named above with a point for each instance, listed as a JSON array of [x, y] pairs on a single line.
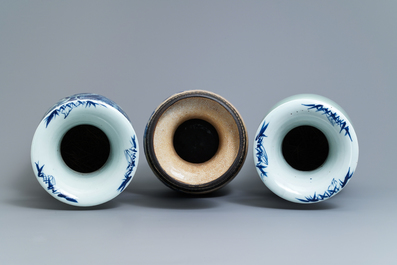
[[253, 53]]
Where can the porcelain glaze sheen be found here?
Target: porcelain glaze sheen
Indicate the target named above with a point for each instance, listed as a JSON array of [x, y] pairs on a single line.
[[306, 186], [68, 185]]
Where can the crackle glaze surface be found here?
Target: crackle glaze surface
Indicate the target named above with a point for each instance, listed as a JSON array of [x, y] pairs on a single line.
[[196, 108]]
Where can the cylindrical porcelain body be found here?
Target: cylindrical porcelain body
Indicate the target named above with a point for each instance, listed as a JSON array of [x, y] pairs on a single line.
[[73, 130], [180, 135], [290, 127]]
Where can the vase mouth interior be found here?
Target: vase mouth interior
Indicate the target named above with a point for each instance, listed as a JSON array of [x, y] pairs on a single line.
[[85, 148], [210, 138], [305, 148]]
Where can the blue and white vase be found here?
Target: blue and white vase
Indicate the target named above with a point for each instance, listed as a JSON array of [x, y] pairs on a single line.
[[306, 149], [85, 151]]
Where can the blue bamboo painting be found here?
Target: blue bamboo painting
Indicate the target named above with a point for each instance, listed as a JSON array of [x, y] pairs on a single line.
[[66, 105], [333, 117], [130, 155], [65, 109], [261, 154], [333, 188], [49, 180], [109, 102]]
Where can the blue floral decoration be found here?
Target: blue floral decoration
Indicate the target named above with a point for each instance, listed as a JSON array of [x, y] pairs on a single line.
[[130, 155], [261, 154], [49, 180], [332, 117], [333, 188]]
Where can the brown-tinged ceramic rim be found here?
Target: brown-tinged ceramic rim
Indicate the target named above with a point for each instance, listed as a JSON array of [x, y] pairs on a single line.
[[195, 178]]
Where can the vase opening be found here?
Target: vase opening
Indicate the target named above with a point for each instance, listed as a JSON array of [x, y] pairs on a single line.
[[305, 148], [85, 148], [196, 141]]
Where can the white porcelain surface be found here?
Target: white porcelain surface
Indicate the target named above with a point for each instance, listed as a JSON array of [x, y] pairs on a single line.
[[306, 186], [84, 189]]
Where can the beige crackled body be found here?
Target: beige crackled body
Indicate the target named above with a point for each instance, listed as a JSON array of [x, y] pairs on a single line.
[[196, 108]]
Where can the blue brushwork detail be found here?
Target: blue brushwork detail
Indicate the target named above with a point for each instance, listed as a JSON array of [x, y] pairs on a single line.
[[346, 179], [261, 154], [49, 180], [65, 105], [334, 188], [332, 117], [65, 109], [130, 155]]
